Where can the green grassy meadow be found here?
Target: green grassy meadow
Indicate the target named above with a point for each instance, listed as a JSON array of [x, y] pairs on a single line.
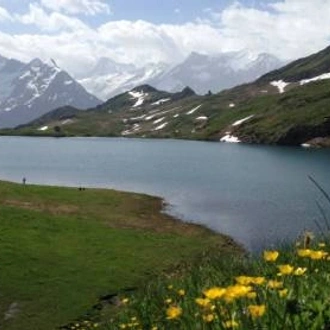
[[61, 249]]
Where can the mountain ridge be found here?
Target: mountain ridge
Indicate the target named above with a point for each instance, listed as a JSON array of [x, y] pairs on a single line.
[[264, 111], [32, 89]]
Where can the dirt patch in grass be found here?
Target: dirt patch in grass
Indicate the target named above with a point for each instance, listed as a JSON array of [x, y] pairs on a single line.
[[52, 209]]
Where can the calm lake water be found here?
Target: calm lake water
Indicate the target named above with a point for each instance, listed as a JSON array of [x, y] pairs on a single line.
[[259, 195]]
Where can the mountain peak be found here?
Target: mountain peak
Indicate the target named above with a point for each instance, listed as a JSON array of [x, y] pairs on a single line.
[[144, 88], [187, 91], [36, 62]]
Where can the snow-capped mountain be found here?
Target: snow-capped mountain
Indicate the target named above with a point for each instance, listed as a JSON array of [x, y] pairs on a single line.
[[214, 73], [109, 78], [200, 72], [31, 90]]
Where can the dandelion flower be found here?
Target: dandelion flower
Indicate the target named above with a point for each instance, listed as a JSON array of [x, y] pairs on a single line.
[[256, 310], [283, 293], [173, 312], [246, 280], [181, 292], [272, 284], [258, 280], [304, 252], [214, 293], [236, 291], [317, 255], [251, 295], [208, 318], [243, 280], [300, 271], [231, 324], [203, 302], [271, 256], [285, 269]]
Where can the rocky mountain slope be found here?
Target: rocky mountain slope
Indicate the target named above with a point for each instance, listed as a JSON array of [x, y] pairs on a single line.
[[30, 90], [289, 106]]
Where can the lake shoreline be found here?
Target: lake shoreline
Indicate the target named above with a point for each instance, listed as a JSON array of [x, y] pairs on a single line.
[[315, 143]]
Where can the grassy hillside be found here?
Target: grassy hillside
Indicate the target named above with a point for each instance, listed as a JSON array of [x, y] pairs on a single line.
[[295, 117], [61, 249]]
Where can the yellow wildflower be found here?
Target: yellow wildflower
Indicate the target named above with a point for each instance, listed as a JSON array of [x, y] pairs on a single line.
[[321, 245], [246, 280], [214, 293], [300, 271], [317, 255], [243, 280], [154, 328], [256, 310], [252, 295], [236, 291], [208, 318], [231, 324], [181, 292], [283, 293], [203, 302], [168, 301], [258, 280], [173, 312], [285, 269], [125, 301], [272, 284], [122, 326], [271, 255], [304, 252]]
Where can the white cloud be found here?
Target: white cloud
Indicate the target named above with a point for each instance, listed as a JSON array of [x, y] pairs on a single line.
[[288, 29], [4, 15], [87, 7], [50, 22]]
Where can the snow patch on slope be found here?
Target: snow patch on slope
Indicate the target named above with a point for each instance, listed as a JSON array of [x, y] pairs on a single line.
[[230, 138], [280, 84], [241, 121], [193, 110], [43, 128], [160, 127], [320, 77], [140, 96], [161, 101]]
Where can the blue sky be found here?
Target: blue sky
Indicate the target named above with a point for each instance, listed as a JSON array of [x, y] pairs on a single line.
[[76, 33], [156, 11]]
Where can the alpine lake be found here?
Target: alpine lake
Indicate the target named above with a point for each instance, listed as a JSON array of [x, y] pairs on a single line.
[[259, 195]]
